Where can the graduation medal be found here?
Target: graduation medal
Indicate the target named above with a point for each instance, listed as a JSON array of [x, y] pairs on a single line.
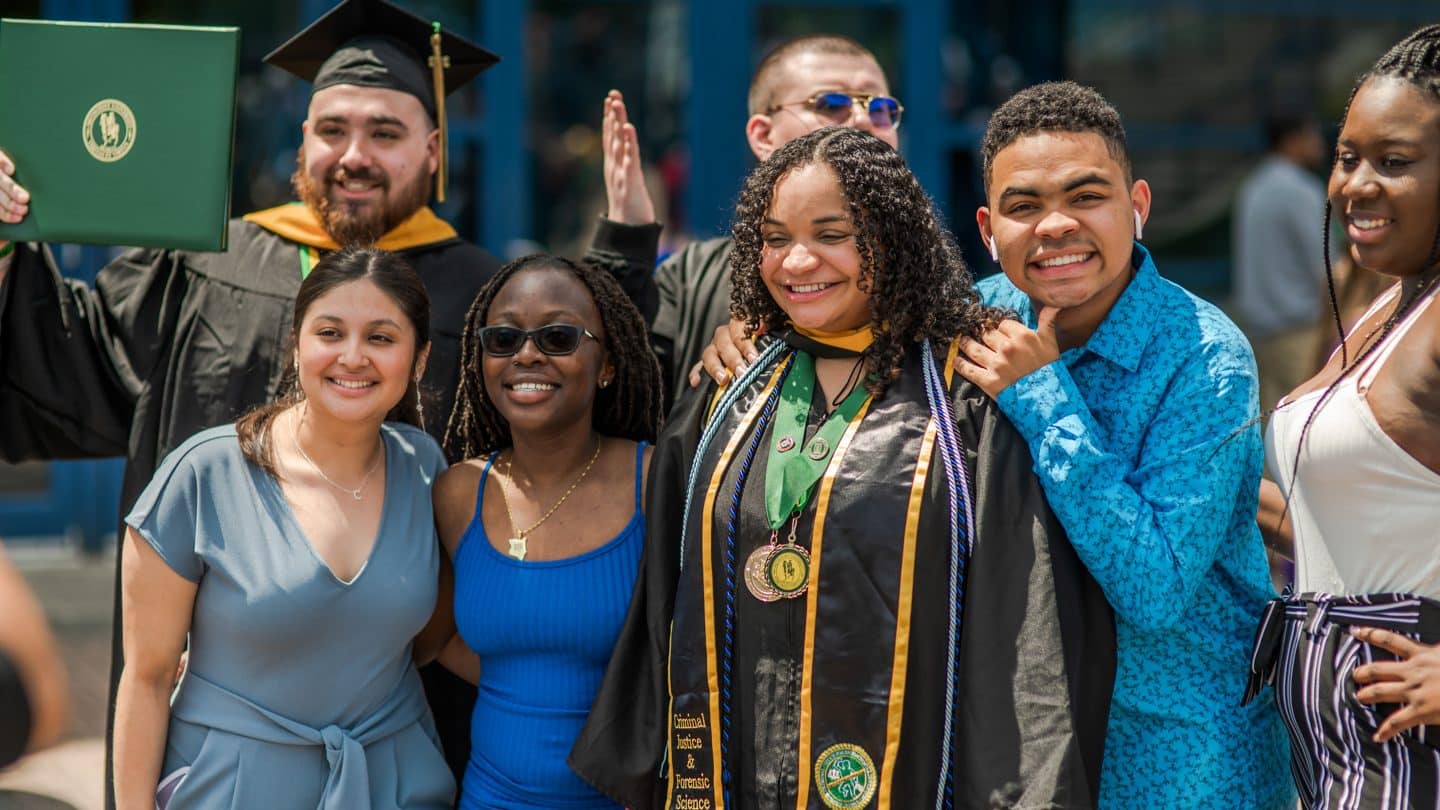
[[784, 569], [756, 580], [845, 777]]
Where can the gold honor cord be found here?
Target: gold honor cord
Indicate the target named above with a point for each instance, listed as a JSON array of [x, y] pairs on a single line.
[[438, 63]]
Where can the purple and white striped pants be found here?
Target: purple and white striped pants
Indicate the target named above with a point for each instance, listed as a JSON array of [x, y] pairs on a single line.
[[1303, 646]]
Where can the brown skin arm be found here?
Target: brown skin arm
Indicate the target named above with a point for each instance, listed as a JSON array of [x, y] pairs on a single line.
[[1413, 681], [25, 637], [1279, 534], [437, 632], [454, 498], [731, 349]]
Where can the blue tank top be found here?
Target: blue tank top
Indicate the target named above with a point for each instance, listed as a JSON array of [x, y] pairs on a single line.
[[544, 632]]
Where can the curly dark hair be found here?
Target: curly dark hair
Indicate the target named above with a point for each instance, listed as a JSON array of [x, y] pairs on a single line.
[[1054, 107], [918, 285], [630, 408]]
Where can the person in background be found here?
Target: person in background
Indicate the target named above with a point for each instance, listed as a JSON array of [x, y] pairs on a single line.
[[1355, 653], [802, 85], [1279, 266], [558, 403], [33, 697]]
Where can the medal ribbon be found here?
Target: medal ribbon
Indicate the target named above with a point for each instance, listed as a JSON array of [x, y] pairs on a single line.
[[791, 472]]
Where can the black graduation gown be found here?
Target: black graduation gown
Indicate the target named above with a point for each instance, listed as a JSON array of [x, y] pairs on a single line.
[[171, 342], [1036, 657]]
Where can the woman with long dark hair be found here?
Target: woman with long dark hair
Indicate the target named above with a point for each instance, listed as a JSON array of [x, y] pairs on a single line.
[[1357, 452], [558, 402], [296, 551], [815, 528]]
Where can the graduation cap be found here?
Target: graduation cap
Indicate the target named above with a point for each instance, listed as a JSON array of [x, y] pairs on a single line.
[[373, 43]]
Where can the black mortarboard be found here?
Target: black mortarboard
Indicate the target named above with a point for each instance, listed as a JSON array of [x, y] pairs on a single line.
[[372, 43]]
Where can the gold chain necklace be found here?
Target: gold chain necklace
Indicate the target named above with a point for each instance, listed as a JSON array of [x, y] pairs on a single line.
[[356, 493], [518, 543]]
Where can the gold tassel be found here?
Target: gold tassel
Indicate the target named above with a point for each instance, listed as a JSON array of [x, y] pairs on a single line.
[[438, 63]]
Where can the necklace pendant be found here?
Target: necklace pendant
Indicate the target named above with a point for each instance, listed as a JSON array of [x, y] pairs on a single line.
[[355, 493], [518, 548]]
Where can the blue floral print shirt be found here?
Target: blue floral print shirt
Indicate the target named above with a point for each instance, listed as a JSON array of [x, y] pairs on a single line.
[[1147, 442]]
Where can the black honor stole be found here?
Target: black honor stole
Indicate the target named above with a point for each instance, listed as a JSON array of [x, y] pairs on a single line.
[[873, 531]]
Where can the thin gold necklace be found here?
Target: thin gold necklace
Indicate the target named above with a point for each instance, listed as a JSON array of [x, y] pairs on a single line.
[[357, 493], [518, 544]]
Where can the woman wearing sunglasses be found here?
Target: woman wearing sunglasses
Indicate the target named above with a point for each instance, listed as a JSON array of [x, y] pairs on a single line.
[[816, 526], [559, 396]]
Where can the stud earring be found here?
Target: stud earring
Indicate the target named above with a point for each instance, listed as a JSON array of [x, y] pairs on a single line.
[[994, 251], [1139, 225]]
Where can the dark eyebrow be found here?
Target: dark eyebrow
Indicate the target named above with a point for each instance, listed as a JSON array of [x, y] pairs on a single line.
[[374, 120], [376, 322], [1018, 191], [815, 221], [1092, 179], [1386, 142]]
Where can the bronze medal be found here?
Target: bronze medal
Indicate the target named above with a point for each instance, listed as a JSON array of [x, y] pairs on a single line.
[[755, 578]]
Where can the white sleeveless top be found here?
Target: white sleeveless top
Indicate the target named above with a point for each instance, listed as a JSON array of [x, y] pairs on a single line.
[[1366, 513]]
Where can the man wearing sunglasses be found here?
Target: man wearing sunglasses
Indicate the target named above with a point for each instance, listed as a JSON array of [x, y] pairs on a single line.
[[802, 85]]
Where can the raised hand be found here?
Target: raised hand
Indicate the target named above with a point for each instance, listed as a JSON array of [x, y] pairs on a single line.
[[625, 192]]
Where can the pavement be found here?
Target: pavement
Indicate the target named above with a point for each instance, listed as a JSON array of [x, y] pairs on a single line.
[[77, 591]]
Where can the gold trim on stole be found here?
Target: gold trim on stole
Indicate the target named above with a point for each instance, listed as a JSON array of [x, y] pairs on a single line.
[[812, 600], [899, 668], [712, 668]]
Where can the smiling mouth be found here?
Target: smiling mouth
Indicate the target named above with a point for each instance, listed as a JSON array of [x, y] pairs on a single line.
[[1369, 223], [810, 288], [1064, 261], [354, 385], [532, 386]]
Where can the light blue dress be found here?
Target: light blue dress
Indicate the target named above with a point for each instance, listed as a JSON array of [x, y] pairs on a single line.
[[299, 690]]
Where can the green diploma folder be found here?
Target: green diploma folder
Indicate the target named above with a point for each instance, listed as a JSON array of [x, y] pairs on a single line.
[[122, 134]]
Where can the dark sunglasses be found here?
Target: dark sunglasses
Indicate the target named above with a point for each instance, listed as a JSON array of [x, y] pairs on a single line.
[[884, 111], [552, 339]]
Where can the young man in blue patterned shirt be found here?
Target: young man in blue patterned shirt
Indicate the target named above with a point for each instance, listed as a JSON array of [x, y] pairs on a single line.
[[1138, 401]]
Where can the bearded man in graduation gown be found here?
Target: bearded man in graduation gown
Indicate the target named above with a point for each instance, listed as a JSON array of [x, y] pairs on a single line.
[[170, 342]]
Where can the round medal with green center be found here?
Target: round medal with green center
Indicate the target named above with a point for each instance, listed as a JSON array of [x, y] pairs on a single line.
[[788, 570], [845, 777]]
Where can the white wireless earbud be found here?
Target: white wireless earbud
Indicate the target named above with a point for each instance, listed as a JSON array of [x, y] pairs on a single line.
[[994, 251], [1139, 225]]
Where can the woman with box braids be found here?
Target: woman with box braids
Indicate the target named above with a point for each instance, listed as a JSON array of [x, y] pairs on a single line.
[[1358, 452], [558, 401]]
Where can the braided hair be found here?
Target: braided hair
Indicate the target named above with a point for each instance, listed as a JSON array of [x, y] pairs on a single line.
[[630, 409], [1414, 59], [918, 286]]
